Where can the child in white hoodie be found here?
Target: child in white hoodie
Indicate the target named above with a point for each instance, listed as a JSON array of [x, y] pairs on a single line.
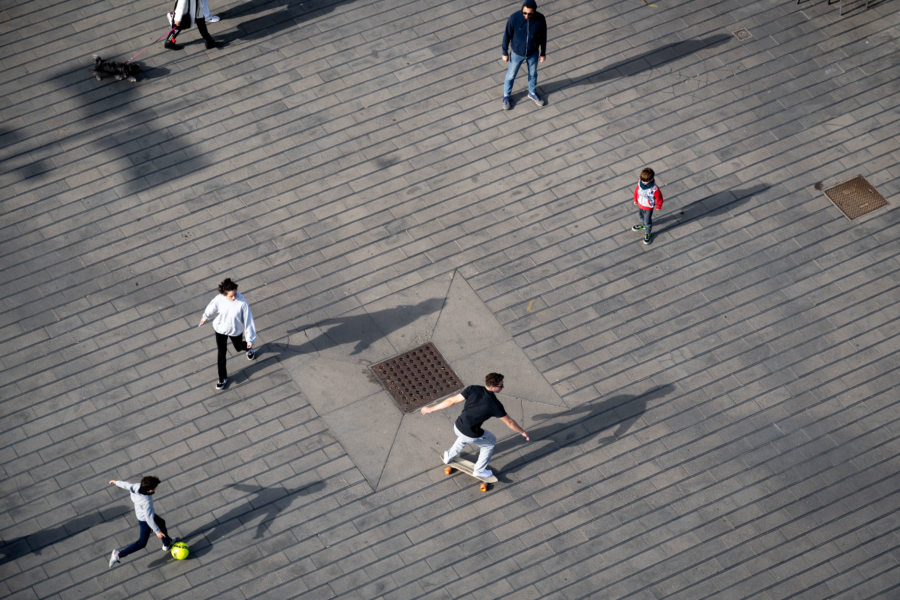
[[234, 320]]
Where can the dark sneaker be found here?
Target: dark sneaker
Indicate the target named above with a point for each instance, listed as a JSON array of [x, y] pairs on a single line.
[[506, 104], [637, 227], [536, 99], [172, 45], [166, 547], [251, 354], [222, 384], [647, 239], [210, 44]]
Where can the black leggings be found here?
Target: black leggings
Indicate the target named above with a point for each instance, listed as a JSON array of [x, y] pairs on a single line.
[[201, 27], [222, 345]]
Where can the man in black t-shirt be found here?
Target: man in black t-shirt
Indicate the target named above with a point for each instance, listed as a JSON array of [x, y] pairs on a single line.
[[480, 405]]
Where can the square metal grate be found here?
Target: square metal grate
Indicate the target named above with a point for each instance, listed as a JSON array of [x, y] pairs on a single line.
[[855, 197], [417, 377]]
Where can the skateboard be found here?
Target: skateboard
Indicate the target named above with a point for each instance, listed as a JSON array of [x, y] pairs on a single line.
[[466, 466]]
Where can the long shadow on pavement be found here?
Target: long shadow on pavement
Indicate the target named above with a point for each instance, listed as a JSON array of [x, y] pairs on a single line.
[[363, 329], [578, 425], [265, 504], [635, 65], [290, 13], [710, 206], [36, 542]]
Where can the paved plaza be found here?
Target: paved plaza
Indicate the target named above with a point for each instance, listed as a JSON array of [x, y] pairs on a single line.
[[713, 416]]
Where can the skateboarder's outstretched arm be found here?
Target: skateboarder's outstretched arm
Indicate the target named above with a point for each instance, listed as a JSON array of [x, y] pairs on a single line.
[[511, 423], [447, 402]]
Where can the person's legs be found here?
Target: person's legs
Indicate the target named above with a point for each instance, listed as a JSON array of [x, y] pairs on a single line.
[[515, 61], [170, 42], [161, 523], [204, 32], [238, 342], [647, 220], [461, 442], [532, 74], [486, 444], [222, 348], [142, 541]]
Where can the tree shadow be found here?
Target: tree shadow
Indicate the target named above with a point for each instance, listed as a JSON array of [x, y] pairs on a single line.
[[361, 329], [630, 67], [290, 13], [264, 504], [36, 542], [710, 206], [111, 123], [580, 424], [24, 164]]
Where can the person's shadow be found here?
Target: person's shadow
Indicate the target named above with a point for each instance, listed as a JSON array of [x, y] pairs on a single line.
[[290, 13], [36, 542], [580, 424], [635, 65], [708, 207], [264, 504], [361, 329], [115, 124]]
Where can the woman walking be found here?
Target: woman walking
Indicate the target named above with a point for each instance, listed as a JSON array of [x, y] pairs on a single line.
[[234, 320], [185, 12]]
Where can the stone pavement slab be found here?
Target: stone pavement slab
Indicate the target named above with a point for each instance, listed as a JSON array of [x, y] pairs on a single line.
[[712, 416]]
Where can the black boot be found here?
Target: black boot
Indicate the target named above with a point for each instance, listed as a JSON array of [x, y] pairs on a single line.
[[171, 44], [210, 42]]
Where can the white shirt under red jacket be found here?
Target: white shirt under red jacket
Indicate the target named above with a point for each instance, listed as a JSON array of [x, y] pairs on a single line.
[[648, 195]]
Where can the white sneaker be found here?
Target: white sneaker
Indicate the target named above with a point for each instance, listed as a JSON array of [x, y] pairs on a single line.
[[486, 474], [213, 19], [445, 458], [113, 558]]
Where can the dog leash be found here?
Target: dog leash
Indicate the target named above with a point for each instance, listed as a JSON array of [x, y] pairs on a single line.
[[156, 40]]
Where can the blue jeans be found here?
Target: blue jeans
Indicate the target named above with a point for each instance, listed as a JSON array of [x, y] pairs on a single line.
[[145, 535], [515, 61]]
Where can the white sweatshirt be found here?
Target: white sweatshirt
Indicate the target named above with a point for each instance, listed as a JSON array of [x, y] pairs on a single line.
[[233, 317], [191, 7], [143, 504]]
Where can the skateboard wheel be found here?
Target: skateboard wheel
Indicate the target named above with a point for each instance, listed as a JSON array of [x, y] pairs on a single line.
[[448, 470], [483, 487]]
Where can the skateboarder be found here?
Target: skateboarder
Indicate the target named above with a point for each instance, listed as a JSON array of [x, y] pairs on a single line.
[[480, 405], [142, 497]]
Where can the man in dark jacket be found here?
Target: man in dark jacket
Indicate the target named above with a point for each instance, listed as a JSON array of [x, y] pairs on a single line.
[[526, 32]]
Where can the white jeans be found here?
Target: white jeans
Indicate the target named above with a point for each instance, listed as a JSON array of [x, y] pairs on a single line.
[[485, 444]]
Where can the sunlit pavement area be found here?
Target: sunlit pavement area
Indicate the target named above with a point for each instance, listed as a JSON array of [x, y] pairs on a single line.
[[713, 415]]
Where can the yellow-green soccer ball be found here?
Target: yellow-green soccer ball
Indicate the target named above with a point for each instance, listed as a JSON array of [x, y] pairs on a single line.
[[179, 551]]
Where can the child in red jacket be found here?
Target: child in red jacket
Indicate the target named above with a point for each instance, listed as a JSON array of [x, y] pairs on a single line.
[[647, 196]]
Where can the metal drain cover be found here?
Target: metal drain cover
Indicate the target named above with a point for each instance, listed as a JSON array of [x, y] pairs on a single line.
[[855, 197], [417, 377]]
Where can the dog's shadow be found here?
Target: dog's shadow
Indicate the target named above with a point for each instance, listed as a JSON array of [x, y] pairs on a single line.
[[153, 73]]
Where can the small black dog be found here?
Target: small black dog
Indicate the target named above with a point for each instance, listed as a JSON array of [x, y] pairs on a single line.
[[120, 71]]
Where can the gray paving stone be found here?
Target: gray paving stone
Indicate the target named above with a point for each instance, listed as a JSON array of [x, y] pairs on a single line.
[[296, 156]]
